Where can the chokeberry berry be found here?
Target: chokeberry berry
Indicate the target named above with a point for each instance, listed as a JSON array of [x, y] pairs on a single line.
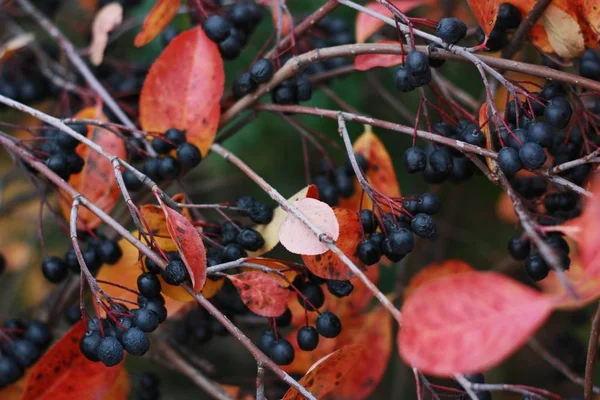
[[368, 220], [303, 88], [401, 240], [341, 288], [496, 40], [509, 161], [417, 64], [175, 136], [509, 16], [451, 30], [89, 345], [532, 156], [145, 319], [109, 251], [558, 112], [282, 352], [262, 70], [150, 168], [131, 181], [135, 342], [54, 269], [244, 204], [423, 225], [243, 85], [66, 141], [402, 79], [110, 351], [284, 94], [415, 159], [540, 133], [175, 273], [261, 213], [440, 161], [308, 338], [148, 285], [377, 238], [428, 203], [473, 135], [535, 267], [39, 334], [10, 371], [169, 168], [518, 248], [157, 306], [553, 89], [24, 352], [328, 325], [266, 340], [72, 314], [162, 146], [58, 163], [250, 239], [314, 295], [188, 155], [217, 28], [232, 252], [367, 252], [151, 266]]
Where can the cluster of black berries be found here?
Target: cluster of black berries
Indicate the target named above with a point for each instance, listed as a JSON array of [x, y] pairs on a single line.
[[167, 167], [95, 252], [589, 65], [57, 148], [330, 31], [334, 183], [261, 71], [148, 387], [415, 72], [231, 32], [293, 90], [125, 329], [21, 79], [22, 344], [509, 18], [395, 238], [124, 81], [438, 162]]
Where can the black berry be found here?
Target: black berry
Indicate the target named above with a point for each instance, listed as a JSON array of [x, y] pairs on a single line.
[[518, 248], [417, 64], [509, 161], [415, 159], [328, 325], [54, 269], [451, 30], [423, 225], [262, 70], [169, 168], [308, 338], [250, 239], [314, 296], [282, 352], [188, 155], [148, 285], [402, 79], [243, 85], [135, 342], [217, 28], [145, 319], [368, 220], [368, 252], [532, 156], [175, 273], [536, 267], [110, 351]]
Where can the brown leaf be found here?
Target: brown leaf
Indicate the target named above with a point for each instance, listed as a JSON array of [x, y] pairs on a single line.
[[564, 33], [107, 19], [159, 17]]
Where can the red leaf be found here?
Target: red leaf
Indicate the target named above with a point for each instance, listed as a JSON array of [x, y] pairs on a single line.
[[469, 322], [159, 17], [183, 89], [328, 265], [190, 246], [262, 293], [97, 180], [486, 12], [365, 62], [297, 238], [435, 271], [327, 373], [589, 239], [367, 25], [64, 373]]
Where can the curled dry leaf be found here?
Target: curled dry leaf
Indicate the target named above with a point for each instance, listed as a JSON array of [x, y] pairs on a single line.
[[108, 18], [270, 231], [183, 89], [365, 62], [97, 180], [64, 372], [435, 271], [159, 17], [468, 322], [297, 238], [367, 25], [15, 44], [328, 265], [262, 293], [327, 373]]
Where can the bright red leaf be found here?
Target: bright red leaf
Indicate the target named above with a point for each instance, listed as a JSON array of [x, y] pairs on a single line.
[[328, 265], [262, 293], [64, 373], [159, 17], [97, 180], [327, 373], [190, 246], [183, 89], [297, 238], [435, 271], [367, 25], [468, 322]]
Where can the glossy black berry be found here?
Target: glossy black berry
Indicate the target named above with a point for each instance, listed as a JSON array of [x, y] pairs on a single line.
[[38, 333], [24, 352], [131, 181], [341, 288], [148, 285], [169, 168], [303, 88], [519, 248], [232, 252], [175, 136], [266, 340], [553, 89], [89, 345], [217, 28], [145, 319], [308, 338], [282, 352], [10, 371], [473, 135], [243, 85], [423, 225], [328, 325], [314, 296], [440, 161], [535, 267], [262, 70], [188, 155], [250, 239], [261, 213], [509, 161], [231, 47], [532, 156], [135, 342], [284, 95], [58, 163], [110, 351], [414, 159], [66, 141], [509, 16], [558, 112], [402, 79], [109, 251], [150, 168], [72, 314], [518, 138], [368, 252], [540, 133], [451, 30], [417, 64], [161, 146], [54, 269], [175, 273], [151, 266], [400, 240], [368, 220], [428, 203]]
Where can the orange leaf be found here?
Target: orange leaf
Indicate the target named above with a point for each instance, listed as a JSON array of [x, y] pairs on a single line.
[[183, 89], [591, 12], [290, 274], [303, 360], [327, 373], [374, 331], [435, 271], [121, 388], [270, 231], [380, 174], [97, 180], [190, 246], [365, 62], [262, 293], [358, 300], [297, 238], [469, 322], [159, 17], [328, 265], [367, 25], [485, 124], [486, 12], [64, 372], [589, 240]]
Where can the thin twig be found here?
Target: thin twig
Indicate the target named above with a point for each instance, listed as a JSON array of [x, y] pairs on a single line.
[[524, 28], [260, 382]]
